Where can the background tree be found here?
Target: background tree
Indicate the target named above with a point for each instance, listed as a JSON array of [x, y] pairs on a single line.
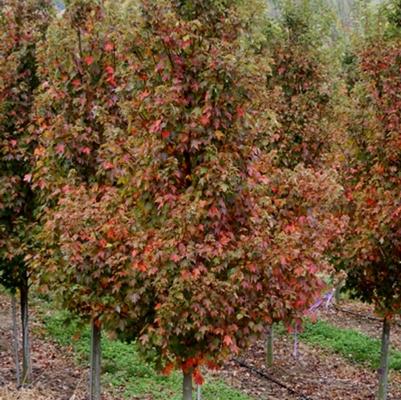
[[303, 56], [22, 26], [304, 69], [371, 173]]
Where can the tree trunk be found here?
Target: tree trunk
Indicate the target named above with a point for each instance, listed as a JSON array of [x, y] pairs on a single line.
[[337, 293], [15, 338], [269, 347], [199, 392], [187, 386], [95, 361], [26, 352], [384, 357]]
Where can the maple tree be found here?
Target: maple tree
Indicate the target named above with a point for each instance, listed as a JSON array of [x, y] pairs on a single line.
[[230, 239], [371, 175], [181, 164], [301, 84], [22, 25], [85, 250]]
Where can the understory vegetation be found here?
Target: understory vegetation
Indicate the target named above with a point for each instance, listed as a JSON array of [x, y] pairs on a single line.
[[349, 343]]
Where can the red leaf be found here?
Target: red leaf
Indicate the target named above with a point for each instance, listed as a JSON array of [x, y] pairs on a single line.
[[85, 150], [111, 234], [370, 202], [240, 112], [140, 266], [156, 126], [168, 369], [198, 378], [213, 211], [205, 119], [102, 243], [212, 365], [109, 69], [143, 95], [89, 60], [175, 257], [109, 46], [165, 134], [60, 148]]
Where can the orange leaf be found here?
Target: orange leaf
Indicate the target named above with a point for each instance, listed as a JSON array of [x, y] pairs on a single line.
[[168, 369], [227, 340]]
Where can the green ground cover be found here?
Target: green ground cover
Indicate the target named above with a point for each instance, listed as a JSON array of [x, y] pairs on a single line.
[[349, 343]]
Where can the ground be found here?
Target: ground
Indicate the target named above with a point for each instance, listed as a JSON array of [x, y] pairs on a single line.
[[317, 373]]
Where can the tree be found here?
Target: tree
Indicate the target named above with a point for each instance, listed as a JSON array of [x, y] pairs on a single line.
[[302, 85], [303, 73], [86, 256], [371, 173], [23, 25], [230, 240]]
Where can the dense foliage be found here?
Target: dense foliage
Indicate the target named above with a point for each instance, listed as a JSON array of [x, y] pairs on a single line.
[[220, 221], [373, 179], [22, 26], [167, 203], [86, 251]]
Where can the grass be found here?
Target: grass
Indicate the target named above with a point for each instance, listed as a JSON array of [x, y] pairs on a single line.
[[352, 345], [123, 368]]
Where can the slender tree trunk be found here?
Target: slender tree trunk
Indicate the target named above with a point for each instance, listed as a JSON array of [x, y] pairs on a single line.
[[337, 293], [15, 338], [187, 386], [295, 351], [199, 392], [26, 352], [95, 361], [269, 347], [384, 357]]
